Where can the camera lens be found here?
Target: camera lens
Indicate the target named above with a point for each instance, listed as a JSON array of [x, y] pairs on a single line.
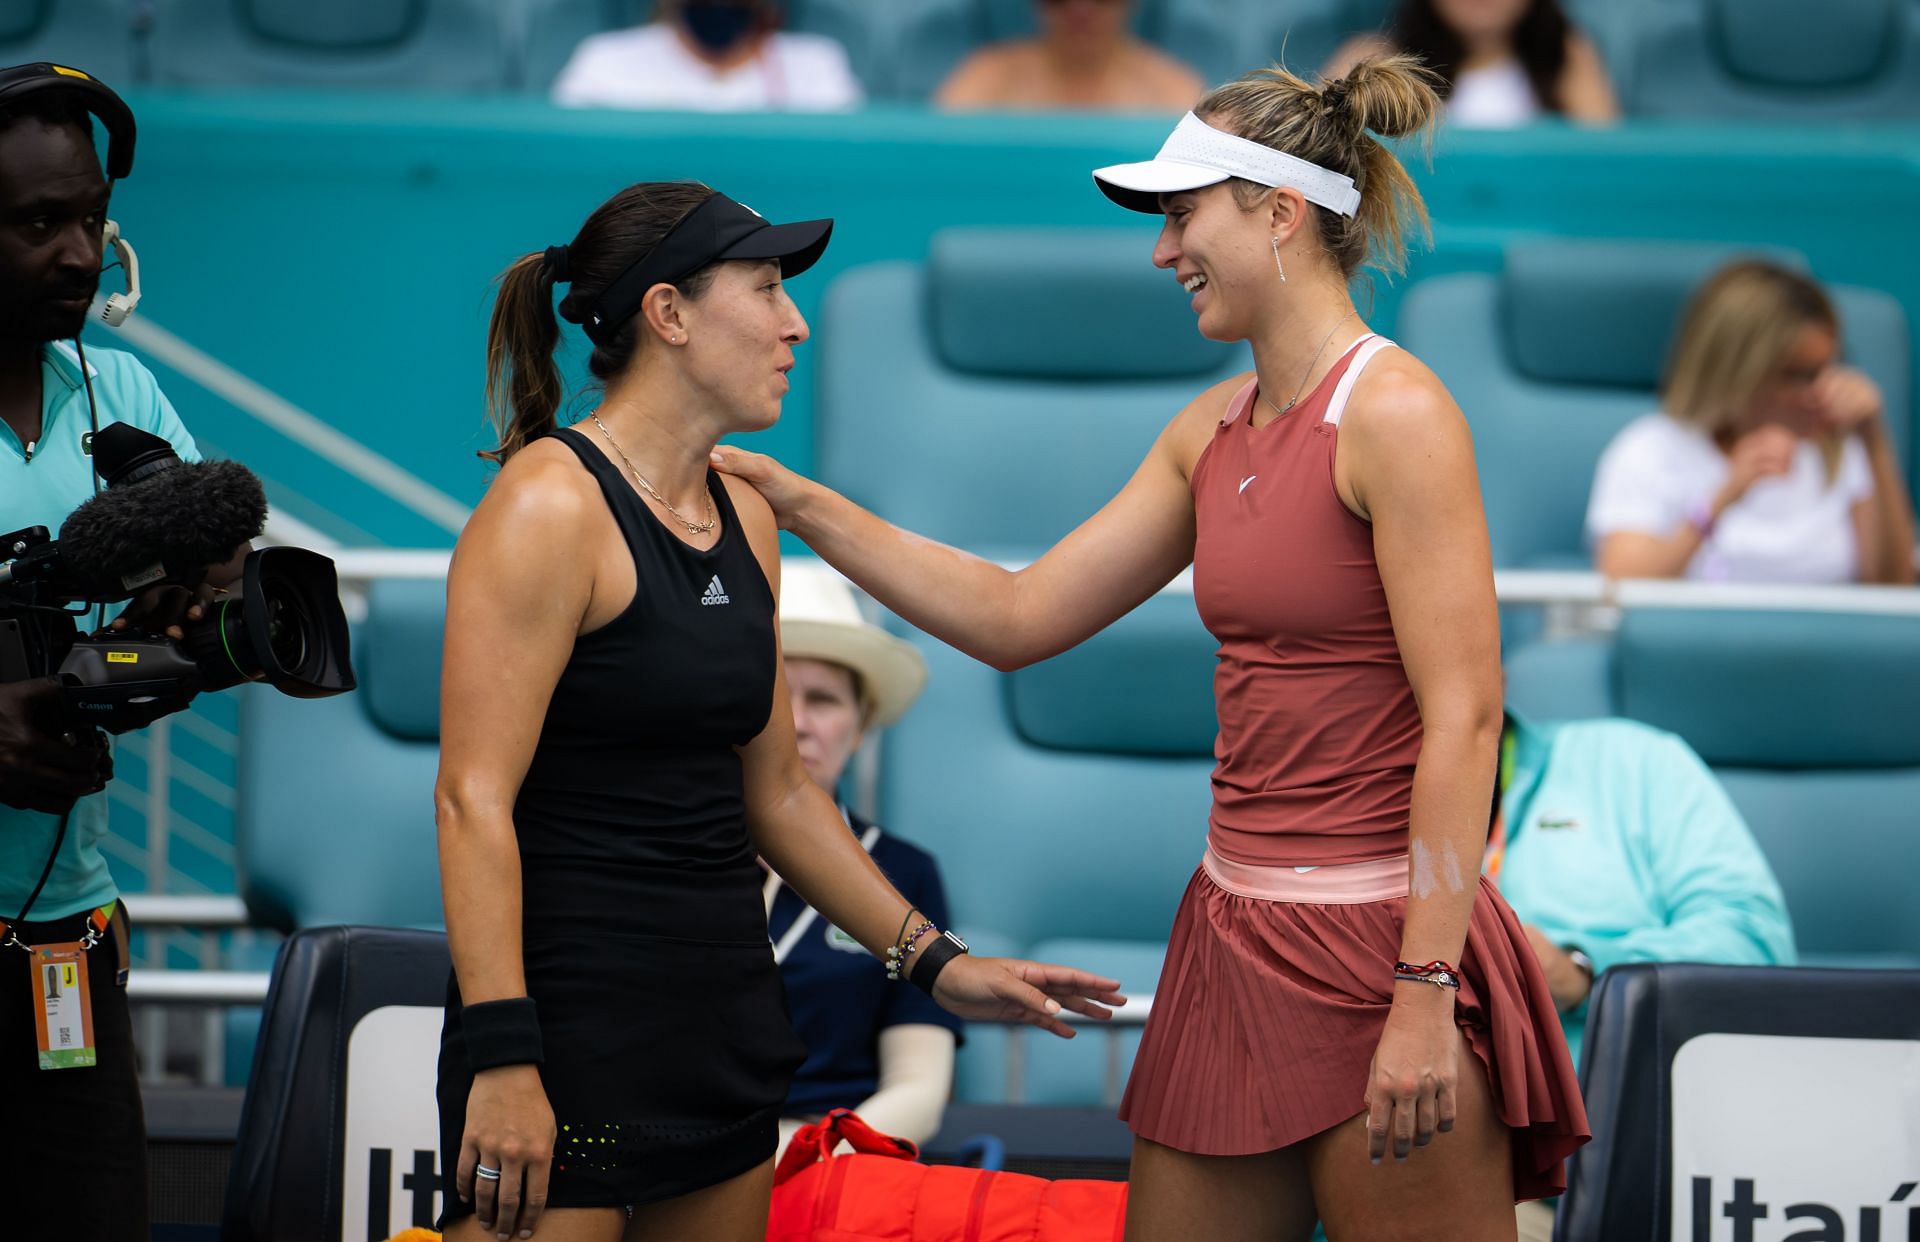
[[286, 635], [285, 627]]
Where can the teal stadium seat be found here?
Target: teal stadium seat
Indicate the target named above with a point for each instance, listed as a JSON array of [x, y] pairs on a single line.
[[1030, 371], [546, 32], [95, 35], [1811, 720], [1775, 60], [1035, 366], [1565, 345], [334, 821], [1302, 34], [439, 45]]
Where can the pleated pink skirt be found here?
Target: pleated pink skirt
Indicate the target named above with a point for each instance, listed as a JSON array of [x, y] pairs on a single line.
[[1268, 1012]]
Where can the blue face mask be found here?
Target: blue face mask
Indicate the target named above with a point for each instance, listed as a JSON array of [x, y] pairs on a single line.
[[718, 25]]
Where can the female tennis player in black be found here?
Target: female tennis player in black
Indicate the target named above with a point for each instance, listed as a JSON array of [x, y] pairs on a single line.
[[617, 1048]]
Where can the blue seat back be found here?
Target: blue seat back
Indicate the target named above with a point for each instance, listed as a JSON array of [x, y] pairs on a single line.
[[334, 821], [1554, 354], [1037, 367], [1812, 722], [94, 35], [445, 45], [1073, 836], [1301, 34], [338, 1133], [1692, 1073], [1760, 60]]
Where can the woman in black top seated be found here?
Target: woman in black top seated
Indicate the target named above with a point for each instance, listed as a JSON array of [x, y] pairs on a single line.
[[617, 1047]]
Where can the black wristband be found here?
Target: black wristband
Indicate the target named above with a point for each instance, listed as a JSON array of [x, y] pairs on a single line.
[[502, 1032], [934, 959]]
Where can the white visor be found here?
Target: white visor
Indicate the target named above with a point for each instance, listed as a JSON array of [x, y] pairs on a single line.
[[1196, 154]]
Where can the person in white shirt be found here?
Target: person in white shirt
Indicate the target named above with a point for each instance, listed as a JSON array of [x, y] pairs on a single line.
[[1502, 63], [1768, 461], [710, 56]]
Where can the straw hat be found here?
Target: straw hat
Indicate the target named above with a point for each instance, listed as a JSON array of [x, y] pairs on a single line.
[[820, 620]]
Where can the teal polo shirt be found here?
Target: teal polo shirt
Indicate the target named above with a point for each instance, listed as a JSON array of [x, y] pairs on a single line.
[[1622, 843], [39, 488]]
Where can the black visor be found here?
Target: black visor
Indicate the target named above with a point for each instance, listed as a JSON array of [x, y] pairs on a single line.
[[715, 230]]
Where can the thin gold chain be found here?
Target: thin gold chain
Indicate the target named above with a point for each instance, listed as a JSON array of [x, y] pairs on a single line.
[[1282, 409], [698, 528]]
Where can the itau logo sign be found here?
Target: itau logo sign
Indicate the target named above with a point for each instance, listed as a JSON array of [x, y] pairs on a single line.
[[1792, 1139], [391, 1174]]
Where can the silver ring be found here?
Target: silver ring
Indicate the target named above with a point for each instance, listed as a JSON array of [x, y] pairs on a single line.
[[485, 1174]]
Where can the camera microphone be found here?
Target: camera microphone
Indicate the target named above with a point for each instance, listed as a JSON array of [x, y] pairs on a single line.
[[159, 517]]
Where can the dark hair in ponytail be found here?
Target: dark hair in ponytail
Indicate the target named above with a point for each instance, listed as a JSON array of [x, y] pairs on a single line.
[[524, 389]]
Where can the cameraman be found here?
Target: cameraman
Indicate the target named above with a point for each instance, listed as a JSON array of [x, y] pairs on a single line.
[[80, 1127]]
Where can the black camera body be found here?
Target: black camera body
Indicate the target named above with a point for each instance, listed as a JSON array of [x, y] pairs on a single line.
[[161, 522]]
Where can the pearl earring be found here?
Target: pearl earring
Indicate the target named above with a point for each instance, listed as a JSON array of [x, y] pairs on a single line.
[[1276, 261]]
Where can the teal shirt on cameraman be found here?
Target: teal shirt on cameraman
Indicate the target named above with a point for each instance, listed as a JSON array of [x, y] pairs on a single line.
[[40, 491], [1623, 844]]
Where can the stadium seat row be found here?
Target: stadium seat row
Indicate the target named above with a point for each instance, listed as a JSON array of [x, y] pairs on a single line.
[[1550, 355], [1705, 58]]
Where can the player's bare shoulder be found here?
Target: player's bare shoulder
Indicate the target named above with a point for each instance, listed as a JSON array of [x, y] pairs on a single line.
[[543, 491], [1397, 395]]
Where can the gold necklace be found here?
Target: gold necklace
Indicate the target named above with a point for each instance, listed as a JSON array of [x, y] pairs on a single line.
[[698, 528], [1282, 409]]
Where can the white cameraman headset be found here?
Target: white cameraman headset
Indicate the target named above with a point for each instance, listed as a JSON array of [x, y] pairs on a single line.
[[120, 305]]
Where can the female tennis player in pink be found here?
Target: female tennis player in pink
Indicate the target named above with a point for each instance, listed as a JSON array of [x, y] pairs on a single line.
[[1350, 1024]]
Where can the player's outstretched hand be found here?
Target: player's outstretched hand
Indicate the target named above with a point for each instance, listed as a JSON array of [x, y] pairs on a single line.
[[1005, 989]]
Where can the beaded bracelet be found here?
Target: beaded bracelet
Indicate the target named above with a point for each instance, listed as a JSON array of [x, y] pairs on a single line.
[[1439, 973], [897, 954]]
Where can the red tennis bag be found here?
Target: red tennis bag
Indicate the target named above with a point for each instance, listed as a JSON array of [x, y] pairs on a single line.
[[882, 1193]]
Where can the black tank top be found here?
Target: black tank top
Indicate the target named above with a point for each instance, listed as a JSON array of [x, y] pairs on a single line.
[[635, 787]]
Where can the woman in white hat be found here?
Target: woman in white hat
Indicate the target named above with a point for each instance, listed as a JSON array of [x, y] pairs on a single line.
[[885, 1052]]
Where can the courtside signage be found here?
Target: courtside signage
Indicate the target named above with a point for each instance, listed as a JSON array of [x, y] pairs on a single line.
[[392, 1156], [1791, 1139]]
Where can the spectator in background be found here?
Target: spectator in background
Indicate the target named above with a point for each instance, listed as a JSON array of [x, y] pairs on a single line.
[[1086, 57], [1767, 461], [884, 1051], [1503, 63], [1614, 843], [710, 56]]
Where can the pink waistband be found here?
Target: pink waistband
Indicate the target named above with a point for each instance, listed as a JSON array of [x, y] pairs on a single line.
[[1339, 884]]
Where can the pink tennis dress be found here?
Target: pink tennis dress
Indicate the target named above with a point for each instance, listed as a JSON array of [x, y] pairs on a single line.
[[1279, 973]]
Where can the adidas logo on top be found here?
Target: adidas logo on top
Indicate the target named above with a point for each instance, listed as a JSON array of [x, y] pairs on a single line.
[[715, 593]]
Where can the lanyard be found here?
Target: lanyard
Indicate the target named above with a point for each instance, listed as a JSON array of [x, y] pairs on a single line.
[[784, 948], [97, 921]]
